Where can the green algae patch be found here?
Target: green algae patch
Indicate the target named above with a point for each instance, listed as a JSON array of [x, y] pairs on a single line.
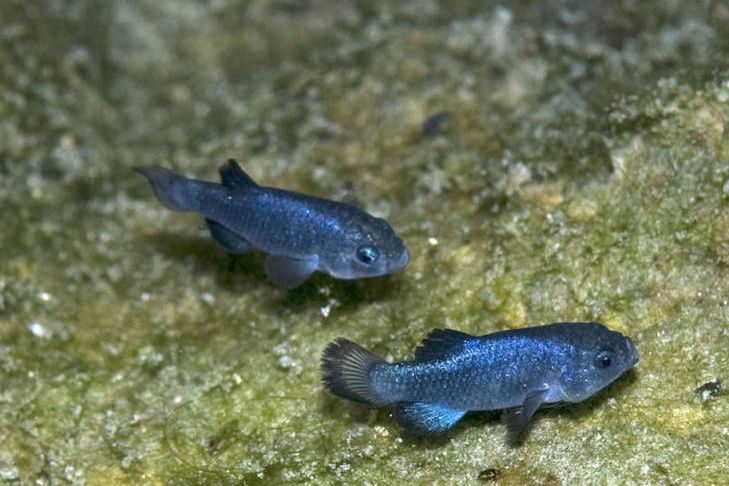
[[582, 174]]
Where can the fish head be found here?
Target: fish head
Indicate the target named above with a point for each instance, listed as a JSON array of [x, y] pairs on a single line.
[[595, 357], [369, 248]]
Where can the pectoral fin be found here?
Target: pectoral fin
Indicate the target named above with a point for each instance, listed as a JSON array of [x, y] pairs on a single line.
[[426, 418], [228, 239], [289, 272], [518, 417]]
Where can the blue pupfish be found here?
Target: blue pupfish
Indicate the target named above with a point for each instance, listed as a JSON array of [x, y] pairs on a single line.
[[300, 233], [454, 372]]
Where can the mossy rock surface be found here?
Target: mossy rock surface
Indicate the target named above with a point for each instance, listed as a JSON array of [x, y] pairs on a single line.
[[581, 173]]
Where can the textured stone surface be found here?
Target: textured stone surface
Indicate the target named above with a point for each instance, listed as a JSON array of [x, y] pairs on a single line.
[[582, 173]]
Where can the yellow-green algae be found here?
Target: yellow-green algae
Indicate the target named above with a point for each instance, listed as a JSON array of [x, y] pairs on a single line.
[[583, 174]]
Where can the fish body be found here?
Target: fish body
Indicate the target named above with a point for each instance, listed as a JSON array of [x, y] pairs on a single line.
[[454, 372], [300, 233]]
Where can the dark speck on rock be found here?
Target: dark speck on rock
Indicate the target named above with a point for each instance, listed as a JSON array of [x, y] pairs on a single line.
[[435, 124], [710, 389], [488, 475]]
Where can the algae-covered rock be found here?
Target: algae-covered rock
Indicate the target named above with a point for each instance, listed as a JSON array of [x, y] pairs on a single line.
[[581, 173]]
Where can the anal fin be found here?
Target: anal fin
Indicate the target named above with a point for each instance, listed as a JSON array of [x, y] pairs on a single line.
[[421, 418], [289, 272], [228, 239]]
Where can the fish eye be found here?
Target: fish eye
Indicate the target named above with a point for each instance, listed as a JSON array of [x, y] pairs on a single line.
[[604, 359], [367, 254]]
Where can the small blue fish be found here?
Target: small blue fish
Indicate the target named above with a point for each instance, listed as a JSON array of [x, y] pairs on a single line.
[[300, 233], [454, 372]]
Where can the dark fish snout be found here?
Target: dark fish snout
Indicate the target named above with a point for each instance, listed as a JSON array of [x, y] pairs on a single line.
[[400, 262], [633, 355]]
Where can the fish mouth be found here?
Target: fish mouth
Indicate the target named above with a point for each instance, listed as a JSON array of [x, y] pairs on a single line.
[[633, 354], [401, 263]]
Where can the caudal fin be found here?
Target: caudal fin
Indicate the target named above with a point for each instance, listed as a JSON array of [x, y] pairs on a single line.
[[346, 369], [171, 189]]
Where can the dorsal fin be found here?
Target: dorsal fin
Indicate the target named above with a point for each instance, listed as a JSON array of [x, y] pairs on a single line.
[[233, 177], [443, 342]]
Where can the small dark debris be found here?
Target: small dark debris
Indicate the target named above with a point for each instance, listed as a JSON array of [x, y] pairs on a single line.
[[490, 474], [223, 438], [435, 124], [710, 389]]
